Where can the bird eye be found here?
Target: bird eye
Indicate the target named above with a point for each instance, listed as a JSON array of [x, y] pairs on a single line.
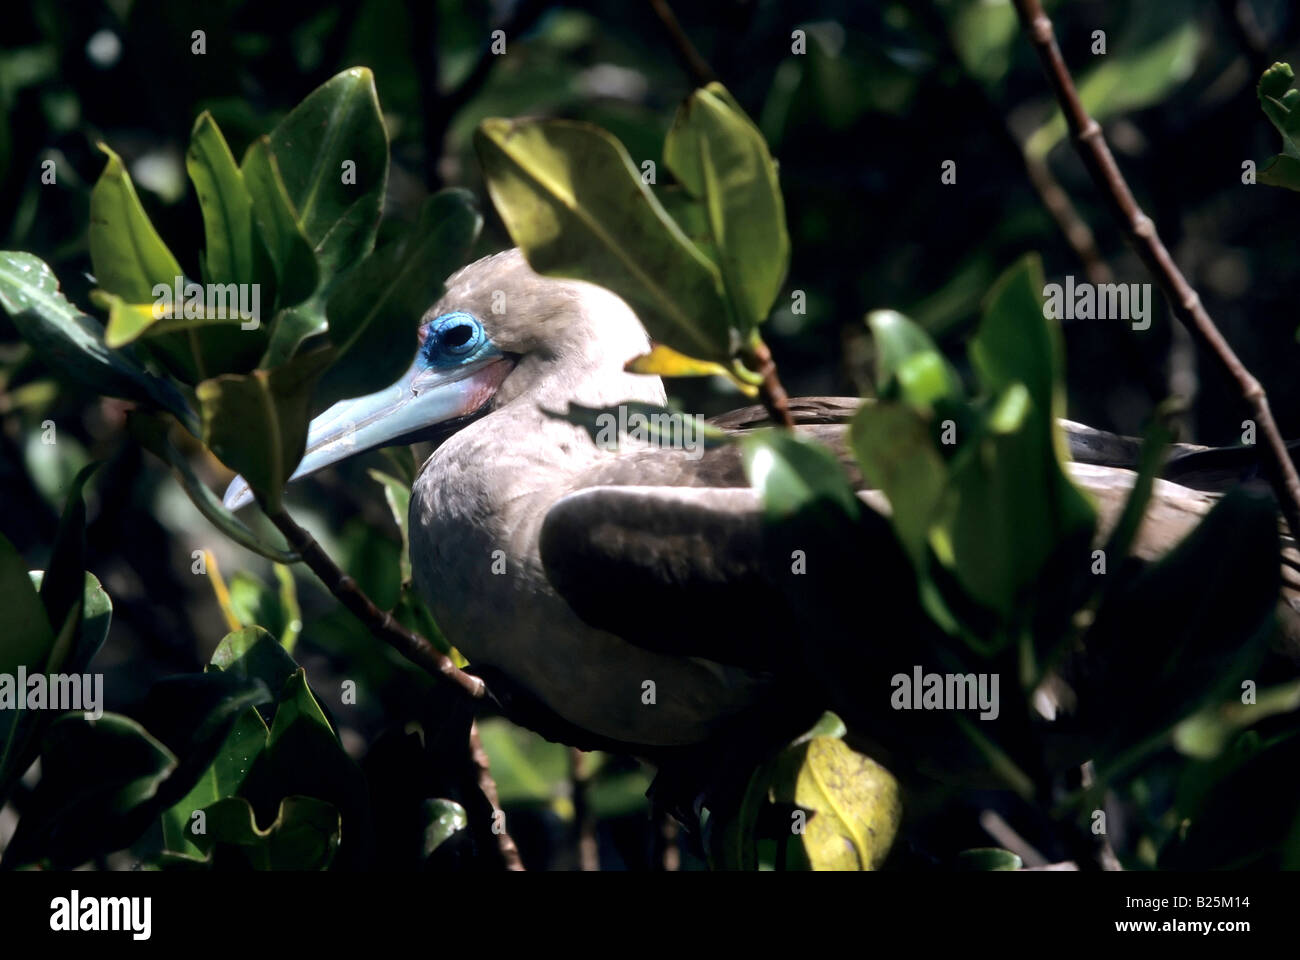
[[453, 336]]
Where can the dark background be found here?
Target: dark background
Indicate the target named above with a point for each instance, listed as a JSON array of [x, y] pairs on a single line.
[[860, 125]]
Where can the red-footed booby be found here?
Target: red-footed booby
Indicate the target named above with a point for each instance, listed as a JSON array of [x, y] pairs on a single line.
[[575, 574]]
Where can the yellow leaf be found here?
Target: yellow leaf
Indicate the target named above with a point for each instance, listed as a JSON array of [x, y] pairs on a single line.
[[664, 361], [854, 803]]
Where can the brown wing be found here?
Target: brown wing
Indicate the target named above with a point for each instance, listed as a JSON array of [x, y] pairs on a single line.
[[681, 539]]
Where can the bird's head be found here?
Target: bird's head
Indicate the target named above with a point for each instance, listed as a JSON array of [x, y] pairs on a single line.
[[501, 334]]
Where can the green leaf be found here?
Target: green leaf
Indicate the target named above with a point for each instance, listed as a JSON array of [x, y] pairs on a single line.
[[228, 230], [129, 260], [221, 338], [1205, 734], [397, 494], [1015, 343], [256, 423], [1010, 506], [63, 586], [898, 456], [72, 343], [304, 757], [1281, 172], [793, 474], [443, 820], [571, 198], [25, 635], [1279, 102], [1132, 78], [278, 222], [97, 778], [303, 836], [195, 715], [126, 253], [288, 607], [908, 364], [338, 123], [255, 654], [735, 843], [854, 804], [374, 318], [223, 777], [153, 434], [720, 156], [983, 859], [984, 36], [81, 636], [252, 602]]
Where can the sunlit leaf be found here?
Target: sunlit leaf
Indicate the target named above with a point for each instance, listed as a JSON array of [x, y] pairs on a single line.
[[664, 361], [854, 805], [720, 156], [72, 343], [572, 199], [256, 423], [332, 153]]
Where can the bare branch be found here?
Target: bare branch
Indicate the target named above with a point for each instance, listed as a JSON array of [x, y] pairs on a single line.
[[1141, 232], [699, 68], [509, 852], [771, 391], [380, 623]]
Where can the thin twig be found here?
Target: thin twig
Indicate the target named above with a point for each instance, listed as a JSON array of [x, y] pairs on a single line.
[[771, 391], [1141, 232], [1073, 227], [699, 67], [410, 645], [509, 852], [380, 623], [1009, 839]]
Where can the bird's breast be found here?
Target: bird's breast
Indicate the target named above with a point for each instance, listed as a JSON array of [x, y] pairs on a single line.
[[477, 510]]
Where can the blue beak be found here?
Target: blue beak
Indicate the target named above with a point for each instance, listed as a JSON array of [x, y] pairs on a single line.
[[408, 411]]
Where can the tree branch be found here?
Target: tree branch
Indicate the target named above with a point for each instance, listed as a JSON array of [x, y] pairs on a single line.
[[1141, 232], [380, 623], [412, 646], [697, 66], [757, 356], [506, 845], [771, 391]]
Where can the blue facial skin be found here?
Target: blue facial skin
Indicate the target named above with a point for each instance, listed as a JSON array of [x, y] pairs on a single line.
[[453, 339]]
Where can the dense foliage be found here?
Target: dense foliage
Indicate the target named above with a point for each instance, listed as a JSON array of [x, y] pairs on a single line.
[[299, 742]]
